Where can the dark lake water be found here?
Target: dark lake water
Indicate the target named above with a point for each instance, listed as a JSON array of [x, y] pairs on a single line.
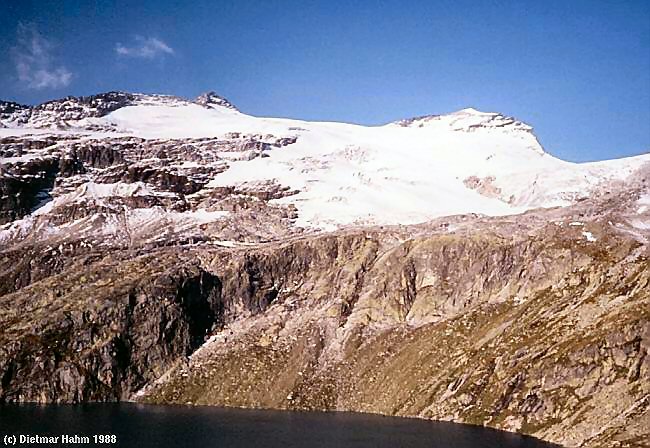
[[144, 426]]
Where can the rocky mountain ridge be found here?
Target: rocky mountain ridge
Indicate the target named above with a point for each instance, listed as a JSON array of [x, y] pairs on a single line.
[[63, 113]]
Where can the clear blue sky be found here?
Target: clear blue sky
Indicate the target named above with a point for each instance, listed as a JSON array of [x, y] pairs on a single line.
[[578, 71]]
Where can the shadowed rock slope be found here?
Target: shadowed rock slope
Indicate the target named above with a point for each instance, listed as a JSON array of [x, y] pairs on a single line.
[[98, 333]]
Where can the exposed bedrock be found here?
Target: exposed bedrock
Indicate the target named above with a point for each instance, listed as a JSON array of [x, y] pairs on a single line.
[[82, 157], [101, 333], [20, 193], [24, 265], [538, 333], [26, 183]]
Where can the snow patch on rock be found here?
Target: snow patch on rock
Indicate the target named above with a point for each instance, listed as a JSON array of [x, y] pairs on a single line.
[[589, 236]]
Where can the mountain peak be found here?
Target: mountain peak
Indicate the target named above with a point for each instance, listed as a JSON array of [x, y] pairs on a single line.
[[472, 111], [467, 119], [211, 99]]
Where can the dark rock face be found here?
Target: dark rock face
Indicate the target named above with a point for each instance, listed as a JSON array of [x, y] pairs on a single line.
[[18, 146], [105, 346], [163, 179], [19, 267], [22, 191], [59, 112], [76, 108], [209, 99], [97, 155], [82, 157], [33, 166], [24, 184], [9, 107]]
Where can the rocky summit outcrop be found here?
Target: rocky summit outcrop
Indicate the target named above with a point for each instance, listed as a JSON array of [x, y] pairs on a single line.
[[210, 99], [257, 263], [58, 113], [10, 107]]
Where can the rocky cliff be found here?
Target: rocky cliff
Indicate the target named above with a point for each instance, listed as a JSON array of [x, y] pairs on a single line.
[[543, 335], [100, 333]]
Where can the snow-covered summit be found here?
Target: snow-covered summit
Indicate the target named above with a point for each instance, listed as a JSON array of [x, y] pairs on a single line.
[[405, 172], [468, 119]]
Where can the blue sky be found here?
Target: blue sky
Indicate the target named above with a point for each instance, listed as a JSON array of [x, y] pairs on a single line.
[[578, 71]]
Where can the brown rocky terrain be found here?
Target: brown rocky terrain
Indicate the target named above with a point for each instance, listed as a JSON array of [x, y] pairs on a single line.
[[544, 334], [539, 331]]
